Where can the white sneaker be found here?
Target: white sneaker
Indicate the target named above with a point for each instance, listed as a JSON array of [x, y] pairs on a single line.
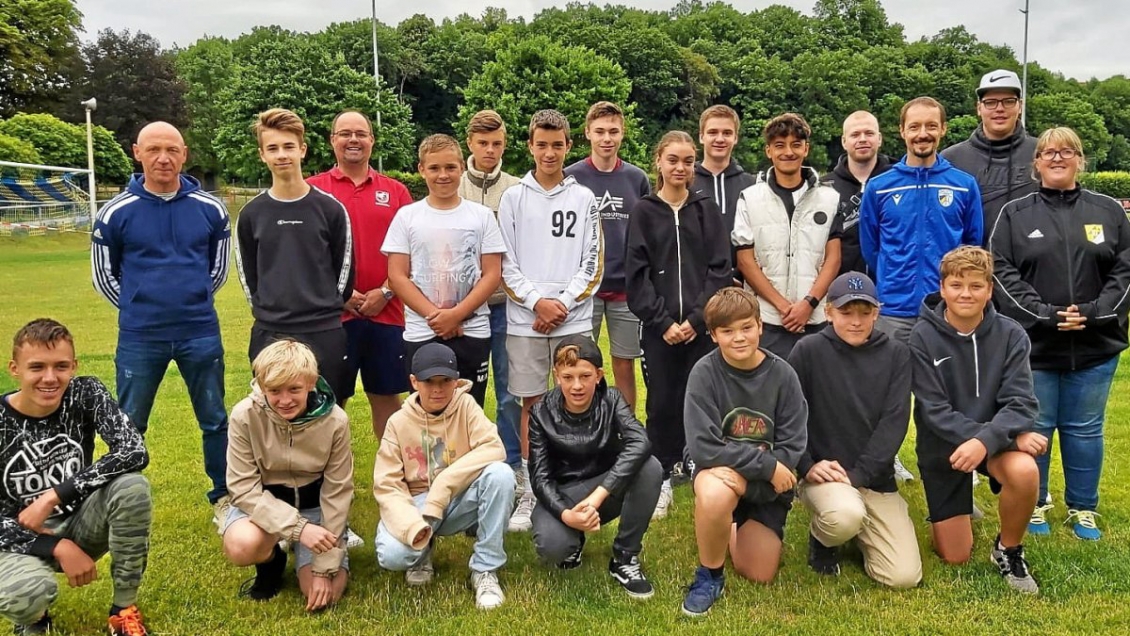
[[520, 521], [488, 593], [421, 573], [901, 473], [663, 506], [352, 540], [976, 479], [521, 483]]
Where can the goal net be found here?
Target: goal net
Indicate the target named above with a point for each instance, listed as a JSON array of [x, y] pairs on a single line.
[[36, 200]]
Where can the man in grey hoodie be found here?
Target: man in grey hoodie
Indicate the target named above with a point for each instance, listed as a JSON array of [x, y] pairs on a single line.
[[1000, 152]]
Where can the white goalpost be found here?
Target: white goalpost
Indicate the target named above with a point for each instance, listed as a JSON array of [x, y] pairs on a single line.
[[37, 199]]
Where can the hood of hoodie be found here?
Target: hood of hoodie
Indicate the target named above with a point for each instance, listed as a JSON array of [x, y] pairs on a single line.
[[733, 169], [934, 310], [998, 147], [319, 403], [188, 185], [528, 182], [480, 179], [882, 164], [877, 338]]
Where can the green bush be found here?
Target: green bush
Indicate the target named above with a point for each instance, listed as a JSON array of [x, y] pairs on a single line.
[[17, 150], [61, 144], [413, 181], [1112, 184]]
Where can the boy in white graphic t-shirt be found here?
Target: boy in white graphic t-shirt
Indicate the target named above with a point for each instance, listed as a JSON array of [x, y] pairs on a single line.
[[444, 261]]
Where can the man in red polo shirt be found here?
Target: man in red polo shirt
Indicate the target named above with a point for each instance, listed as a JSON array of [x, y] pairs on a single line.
[[374, 316]]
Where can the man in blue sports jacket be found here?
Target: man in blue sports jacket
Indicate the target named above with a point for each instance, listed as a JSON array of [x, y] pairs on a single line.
[[159, 253], [913, 214]]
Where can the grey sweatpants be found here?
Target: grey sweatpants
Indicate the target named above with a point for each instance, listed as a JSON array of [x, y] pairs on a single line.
[[113, 519]]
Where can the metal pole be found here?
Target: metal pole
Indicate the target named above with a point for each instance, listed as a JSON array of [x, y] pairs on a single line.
[[1024, 82], [90, 164], [377, 80]]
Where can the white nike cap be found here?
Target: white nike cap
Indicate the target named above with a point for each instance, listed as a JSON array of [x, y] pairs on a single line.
[[1000, 79]]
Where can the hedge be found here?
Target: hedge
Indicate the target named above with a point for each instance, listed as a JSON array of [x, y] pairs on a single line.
[[1112, 184], [413, 181]]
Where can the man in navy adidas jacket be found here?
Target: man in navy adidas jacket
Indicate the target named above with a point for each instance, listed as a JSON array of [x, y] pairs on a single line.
[[159, 254], [913, 214]]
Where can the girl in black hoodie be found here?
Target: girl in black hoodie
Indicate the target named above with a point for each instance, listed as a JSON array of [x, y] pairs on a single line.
[[678, 256], [1062, 257]]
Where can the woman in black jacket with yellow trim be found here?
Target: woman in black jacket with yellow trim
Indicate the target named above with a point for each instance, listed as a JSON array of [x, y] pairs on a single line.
[[1062, 262]]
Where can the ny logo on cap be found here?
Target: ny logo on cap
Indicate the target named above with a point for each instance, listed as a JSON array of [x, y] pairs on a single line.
[[855, 283]]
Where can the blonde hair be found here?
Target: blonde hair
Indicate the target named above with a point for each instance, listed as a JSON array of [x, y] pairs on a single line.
[[603, 109], [283, 362], [1059, 136], [729, 305], [967, 259], [567, 356], [671, 137], [279, 119], [719, 110], [439, 143], [485, 121]]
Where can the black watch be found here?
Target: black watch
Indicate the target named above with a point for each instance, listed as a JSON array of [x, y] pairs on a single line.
[[812, 301]]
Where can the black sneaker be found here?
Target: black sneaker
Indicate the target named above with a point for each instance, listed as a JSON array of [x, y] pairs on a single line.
[[268, 581], [41, 626], [573, 561], [1014, 568], [822, 559], [630, 577]]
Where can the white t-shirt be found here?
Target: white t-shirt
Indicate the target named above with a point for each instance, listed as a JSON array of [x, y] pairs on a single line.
[[445, 248]]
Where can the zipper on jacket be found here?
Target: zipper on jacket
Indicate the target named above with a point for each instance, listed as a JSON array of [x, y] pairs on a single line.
[[679, 259], [1070, 274], [976, 367]]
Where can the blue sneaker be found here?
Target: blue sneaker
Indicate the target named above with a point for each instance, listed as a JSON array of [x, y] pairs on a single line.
[[702, 592], [1038, 523], [1083, 523]]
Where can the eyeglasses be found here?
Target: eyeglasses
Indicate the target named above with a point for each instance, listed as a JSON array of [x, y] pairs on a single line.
[[350, 134], [1048, 154], [992, 103]]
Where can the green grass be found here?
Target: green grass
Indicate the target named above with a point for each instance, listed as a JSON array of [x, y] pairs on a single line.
[[190, 589]]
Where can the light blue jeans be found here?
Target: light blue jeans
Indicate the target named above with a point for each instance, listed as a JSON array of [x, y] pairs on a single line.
[[508, 413], [485, 505], [1074, 403]]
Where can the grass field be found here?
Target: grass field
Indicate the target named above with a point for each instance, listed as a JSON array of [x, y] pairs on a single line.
[[190, 589]]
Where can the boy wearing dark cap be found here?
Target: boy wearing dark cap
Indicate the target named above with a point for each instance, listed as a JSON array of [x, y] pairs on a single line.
[[590, 462], [856, 380], [440, 470]]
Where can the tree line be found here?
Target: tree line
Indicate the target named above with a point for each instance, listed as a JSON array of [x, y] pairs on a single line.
[[665, 67]]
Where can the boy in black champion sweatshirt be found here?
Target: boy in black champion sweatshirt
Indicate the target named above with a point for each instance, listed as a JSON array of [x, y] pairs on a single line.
[[975, 410], [745, 423], [857, 384]]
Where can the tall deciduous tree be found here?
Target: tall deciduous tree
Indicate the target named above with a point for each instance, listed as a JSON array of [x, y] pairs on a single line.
[[38, 39], [1065, 109], [206, 68]]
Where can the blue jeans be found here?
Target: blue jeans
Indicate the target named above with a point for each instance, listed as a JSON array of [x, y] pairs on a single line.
[[1074, 402], [140, 368], [508, 414], [485, 505]]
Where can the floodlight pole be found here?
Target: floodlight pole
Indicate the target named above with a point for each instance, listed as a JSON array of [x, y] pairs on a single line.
[[377, 80], [1024, 82], [90, 105]]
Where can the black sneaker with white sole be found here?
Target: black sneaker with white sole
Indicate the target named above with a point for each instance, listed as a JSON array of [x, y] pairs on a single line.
[[1014, 567], [822, 559], [629, 575]]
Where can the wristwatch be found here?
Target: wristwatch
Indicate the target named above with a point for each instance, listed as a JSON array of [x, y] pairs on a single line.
[[812, 301], [388, 293]]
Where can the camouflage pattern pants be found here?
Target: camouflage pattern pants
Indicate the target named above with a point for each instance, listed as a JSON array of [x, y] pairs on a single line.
[[114, 519]]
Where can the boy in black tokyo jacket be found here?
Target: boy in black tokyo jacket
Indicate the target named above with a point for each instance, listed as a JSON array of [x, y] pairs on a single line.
[[678, 257], [590, 462]]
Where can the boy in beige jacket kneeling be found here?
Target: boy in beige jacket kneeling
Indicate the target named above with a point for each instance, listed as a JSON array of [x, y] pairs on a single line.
[[440, 470], [290, 476]]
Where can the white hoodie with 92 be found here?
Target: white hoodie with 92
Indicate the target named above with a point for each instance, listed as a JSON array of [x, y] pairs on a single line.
[[555, 250]]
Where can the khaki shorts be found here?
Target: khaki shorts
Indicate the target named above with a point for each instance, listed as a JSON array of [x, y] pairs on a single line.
[[531, 360], [623, 327]]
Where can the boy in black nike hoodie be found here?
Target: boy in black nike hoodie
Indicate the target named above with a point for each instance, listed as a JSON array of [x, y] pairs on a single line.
[[975, 410]]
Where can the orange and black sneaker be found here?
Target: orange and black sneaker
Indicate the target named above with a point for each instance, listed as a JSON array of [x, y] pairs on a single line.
[[128, 622]]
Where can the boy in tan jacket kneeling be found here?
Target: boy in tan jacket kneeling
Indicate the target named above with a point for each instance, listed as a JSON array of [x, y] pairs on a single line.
[[440, 470], [290, 476]]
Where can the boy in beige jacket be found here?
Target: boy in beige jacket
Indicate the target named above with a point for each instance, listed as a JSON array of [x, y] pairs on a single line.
[[440, 471], [290, 476]]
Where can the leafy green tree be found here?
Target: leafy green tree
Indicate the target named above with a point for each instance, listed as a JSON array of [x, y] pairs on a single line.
[[205, 67], [61, 144], [855, 24], [294, 71], [538, 73], [38, 39], [1064, 109], [17, 150]]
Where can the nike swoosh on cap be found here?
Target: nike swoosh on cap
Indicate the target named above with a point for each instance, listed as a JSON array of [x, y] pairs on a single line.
[[997, 78]]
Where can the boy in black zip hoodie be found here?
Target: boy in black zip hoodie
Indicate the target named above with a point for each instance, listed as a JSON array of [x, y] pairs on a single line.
[[975, 410], [720, 177], [856, 380], [678, 256]]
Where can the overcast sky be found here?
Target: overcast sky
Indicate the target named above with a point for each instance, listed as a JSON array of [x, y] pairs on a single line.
[[1080, 38]]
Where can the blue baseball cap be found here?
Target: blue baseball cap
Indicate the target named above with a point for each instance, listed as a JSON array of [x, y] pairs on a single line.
[[852, 286]]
